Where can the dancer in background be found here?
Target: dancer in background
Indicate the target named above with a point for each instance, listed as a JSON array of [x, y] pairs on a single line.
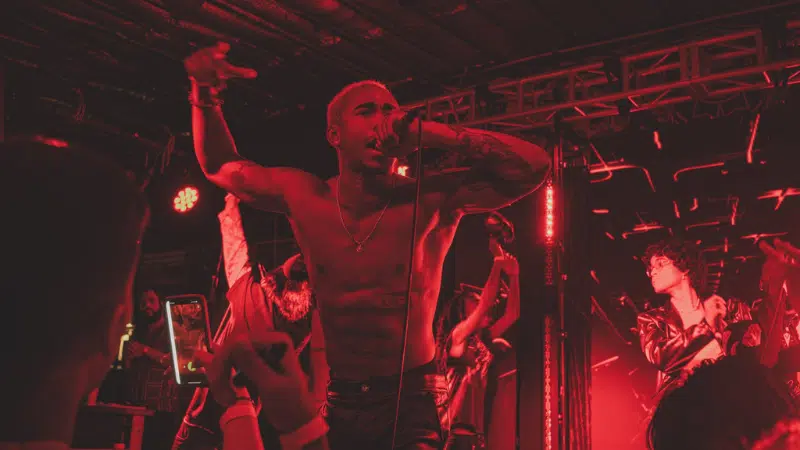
[[280, 300], [470, 331], [680, 335], [733, 402], [777, 312]]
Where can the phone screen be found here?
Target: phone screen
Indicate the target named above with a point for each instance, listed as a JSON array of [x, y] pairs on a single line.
[[187, 320]]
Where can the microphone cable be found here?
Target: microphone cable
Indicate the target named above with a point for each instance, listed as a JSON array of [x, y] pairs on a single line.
[[414, 214]]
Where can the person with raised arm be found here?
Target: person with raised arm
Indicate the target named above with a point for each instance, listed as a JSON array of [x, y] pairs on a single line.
[[283, 394], [355, 233], [259, 301], [472, 332]]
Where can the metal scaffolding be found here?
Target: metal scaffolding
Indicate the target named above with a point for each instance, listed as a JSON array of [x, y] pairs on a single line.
[[714, 67], [734, 63]]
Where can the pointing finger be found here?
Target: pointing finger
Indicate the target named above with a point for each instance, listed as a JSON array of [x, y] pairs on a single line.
[[232, 71]]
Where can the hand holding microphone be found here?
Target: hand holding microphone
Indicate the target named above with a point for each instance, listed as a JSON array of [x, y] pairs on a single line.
[[398, 134]]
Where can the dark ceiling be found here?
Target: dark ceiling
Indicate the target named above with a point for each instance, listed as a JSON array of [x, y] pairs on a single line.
[[698, 186], [123, 59], [115, 67]]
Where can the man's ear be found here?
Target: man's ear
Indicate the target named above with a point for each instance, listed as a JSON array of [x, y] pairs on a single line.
[[333, 136]]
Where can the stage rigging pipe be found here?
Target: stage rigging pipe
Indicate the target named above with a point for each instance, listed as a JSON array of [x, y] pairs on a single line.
[[2, 102], [558, 251]]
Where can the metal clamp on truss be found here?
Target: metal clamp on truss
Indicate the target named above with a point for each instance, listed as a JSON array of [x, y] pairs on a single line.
[[720, 66]]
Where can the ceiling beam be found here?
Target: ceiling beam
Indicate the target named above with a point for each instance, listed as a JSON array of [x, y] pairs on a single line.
[[720, 66]]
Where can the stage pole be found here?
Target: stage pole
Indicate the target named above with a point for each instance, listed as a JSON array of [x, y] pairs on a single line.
[[2, 102], [575, 298]]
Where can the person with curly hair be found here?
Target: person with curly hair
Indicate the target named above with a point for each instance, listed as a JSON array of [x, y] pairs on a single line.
[[690, 328]]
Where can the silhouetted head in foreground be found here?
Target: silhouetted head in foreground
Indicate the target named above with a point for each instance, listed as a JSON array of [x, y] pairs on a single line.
[[73, 224], [727, 405]]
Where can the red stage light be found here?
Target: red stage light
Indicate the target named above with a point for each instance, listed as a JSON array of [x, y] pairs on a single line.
[[657, 139], [549, 226], [550, 384], [58, 143], [185, 199], [549, 234]]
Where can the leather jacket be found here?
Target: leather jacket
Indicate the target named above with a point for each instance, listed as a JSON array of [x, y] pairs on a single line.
[[670, 347], [667, 345]]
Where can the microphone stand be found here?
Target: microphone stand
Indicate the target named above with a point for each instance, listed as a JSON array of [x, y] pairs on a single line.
[[212, 292]]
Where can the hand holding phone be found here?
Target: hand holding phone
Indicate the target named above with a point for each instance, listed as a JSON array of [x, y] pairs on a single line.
[[268, 360], [187, 322], [271, 355]]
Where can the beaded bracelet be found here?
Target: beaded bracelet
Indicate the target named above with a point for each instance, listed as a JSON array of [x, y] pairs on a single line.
[[204, 96]]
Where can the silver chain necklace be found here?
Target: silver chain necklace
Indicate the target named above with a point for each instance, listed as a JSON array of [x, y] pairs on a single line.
[[359, 244]]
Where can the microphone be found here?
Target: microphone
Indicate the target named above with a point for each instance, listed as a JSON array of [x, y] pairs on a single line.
[[402, 126]]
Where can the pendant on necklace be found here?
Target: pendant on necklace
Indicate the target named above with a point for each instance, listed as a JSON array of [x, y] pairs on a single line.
[[359, 248]]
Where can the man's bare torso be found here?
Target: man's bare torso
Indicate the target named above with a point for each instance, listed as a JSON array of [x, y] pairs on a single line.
[[362, 295]]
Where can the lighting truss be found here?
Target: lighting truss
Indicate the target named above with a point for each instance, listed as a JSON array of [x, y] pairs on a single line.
[[714, 67]]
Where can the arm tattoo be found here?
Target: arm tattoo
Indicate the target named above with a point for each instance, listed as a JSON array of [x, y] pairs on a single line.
[[497, 165]]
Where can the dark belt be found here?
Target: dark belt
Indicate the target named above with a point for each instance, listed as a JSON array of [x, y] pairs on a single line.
[[418, 379]]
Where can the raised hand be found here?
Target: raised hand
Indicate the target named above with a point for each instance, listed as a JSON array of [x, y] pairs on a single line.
[[209, 67], [284, 393], [782, 266], [790, 253]]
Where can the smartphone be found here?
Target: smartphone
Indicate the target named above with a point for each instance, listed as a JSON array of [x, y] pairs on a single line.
[[189, 331]]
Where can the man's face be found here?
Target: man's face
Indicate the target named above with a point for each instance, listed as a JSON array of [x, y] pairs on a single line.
[[363, 110], [149, 303], [664, 275]]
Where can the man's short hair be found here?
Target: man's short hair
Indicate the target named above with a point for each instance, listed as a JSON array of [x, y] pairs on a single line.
[[686, 256], [73, 221], [138, 292], [335, 106]]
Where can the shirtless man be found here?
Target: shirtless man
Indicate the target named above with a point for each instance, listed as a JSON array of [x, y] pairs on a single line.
[[354, 231]]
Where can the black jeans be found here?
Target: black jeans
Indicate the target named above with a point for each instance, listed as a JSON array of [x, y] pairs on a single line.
[[361, 414]]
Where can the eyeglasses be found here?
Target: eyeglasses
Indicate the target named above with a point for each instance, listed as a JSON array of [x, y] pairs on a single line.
[[660, 264]]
